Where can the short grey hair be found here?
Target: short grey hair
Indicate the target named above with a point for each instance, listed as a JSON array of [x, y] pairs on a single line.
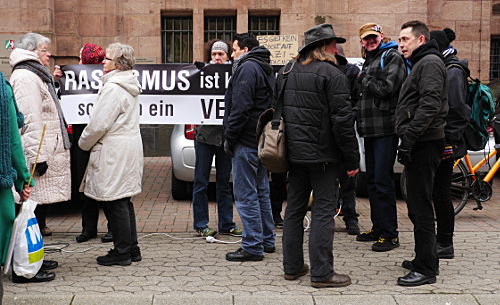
[[123, 55], [31, 41]]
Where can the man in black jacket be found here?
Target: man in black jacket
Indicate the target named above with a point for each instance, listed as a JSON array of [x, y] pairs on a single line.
[[249, 93], [320, 143], [420, 121], [382, 75]]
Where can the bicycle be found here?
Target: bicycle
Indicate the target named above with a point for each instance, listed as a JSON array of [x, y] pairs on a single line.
[[467, 181]]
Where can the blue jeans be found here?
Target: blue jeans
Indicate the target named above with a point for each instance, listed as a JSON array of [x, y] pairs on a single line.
[[380, 156], [251, 194], [204, 155]]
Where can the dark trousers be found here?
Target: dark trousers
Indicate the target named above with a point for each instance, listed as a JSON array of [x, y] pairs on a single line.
[[421, 171], [347, 198], [277, 187], [302, 179], [121, 218], [380, 155], [41, 215], [445, 214], [90, 215]]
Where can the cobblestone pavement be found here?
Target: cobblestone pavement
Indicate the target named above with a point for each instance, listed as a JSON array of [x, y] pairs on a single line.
[[191, 271]]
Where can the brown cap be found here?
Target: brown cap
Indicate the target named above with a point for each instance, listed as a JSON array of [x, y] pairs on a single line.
[[370, 29]]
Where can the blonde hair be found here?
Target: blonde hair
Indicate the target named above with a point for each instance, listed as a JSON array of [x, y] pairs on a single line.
[[318, 53], [123, 55]]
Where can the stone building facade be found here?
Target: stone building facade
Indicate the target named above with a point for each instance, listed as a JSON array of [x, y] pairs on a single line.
[[71, 23]]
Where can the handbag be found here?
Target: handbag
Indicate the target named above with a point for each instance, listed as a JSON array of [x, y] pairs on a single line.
[[271, 130]]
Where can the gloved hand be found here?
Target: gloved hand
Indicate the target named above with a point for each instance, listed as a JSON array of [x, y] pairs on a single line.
[[228, 149], [448, 151], [404, 155], [41, 168], [199, 64]]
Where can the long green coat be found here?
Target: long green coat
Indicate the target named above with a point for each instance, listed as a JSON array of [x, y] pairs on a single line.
[[7, 210]]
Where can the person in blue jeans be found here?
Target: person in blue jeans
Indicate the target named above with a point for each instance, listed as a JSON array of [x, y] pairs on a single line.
[[249, 93], [207, 144]]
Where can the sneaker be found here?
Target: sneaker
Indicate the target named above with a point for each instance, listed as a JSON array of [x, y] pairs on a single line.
[[383, 244], [114, 258], [206, 231], [369, 235], [235, 231]]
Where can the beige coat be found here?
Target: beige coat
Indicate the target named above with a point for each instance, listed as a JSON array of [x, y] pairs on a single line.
[[114, 140], [35, 102]]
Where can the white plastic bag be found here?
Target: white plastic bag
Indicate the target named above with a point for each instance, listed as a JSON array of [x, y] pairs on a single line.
[[26, 244]]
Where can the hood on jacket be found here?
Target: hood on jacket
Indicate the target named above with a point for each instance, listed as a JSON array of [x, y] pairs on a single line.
[[428, 48], [382, 48], [262, 56], [20, 55], [125, 79], [453, 60]]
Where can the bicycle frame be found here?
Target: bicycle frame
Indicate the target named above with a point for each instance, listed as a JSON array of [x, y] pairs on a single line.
[[473, 169]]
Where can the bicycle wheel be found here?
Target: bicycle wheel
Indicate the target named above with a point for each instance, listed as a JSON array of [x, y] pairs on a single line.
[[460, 186]]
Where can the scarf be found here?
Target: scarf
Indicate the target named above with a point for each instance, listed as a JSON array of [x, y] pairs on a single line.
[[7, 172], [45, 76], [237, 61]]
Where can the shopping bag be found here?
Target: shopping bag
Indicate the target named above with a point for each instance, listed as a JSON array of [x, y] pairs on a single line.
[[26, 249]]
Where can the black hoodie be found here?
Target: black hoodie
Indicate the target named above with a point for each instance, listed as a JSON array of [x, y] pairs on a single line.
[[249, 93], [423, 99]]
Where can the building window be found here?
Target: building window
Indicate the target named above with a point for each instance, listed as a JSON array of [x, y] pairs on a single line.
[[496, 9], [495, 58], [219, 27], [264, 25], [177, 39]]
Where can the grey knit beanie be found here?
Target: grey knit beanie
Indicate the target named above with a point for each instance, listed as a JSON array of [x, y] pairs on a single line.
[[220, 46]]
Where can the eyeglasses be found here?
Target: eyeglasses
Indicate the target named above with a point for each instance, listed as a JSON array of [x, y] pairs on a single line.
[[107, 58], [43, 50]]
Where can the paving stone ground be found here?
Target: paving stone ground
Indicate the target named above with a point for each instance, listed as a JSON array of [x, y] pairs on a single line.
[[180, 269]]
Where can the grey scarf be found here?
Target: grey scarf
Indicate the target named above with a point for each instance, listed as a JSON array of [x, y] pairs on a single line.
[[45, 76]]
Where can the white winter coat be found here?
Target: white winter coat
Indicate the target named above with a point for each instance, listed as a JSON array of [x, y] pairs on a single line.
[[114, 140], [35, 102]]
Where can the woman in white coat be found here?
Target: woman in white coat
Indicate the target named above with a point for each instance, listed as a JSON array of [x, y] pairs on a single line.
[[36, 97], [114, 171]]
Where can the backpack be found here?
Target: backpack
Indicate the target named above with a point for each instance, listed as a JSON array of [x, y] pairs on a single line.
[[482, 105], [382, 59]]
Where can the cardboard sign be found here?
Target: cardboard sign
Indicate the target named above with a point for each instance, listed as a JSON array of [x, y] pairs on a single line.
[[282, 47]]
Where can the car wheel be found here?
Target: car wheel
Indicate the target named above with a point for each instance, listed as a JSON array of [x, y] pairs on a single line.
[[362, 185], [181, 190]]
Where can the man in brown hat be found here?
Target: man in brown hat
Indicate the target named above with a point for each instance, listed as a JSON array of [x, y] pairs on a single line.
[[321, 142], [381, 78]]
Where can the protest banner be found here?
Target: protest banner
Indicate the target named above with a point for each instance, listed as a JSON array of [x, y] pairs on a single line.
[[282, 47]]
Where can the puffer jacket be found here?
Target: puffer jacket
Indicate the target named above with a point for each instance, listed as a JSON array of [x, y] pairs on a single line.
[[423, 100], [318, 117], [379, 91], [113, 137], [35, 102]]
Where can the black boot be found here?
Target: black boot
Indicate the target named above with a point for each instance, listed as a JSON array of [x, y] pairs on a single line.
[[107, 238], [49, 265], [135, 254], [114, 258]]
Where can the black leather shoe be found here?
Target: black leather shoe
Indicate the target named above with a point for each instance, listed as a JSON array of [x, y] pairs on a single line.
[[41, 276], [352, 228], [135, 254], [114, 258], [409, 265], [107, 238], [241, 255], [271, 249], [49, 265], [416, 279], [445, 252], [85, 237]]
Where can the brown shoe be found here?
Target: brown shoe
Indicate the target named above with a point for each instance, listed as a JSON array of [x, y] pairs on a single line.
[[337, 280], [294, 276]]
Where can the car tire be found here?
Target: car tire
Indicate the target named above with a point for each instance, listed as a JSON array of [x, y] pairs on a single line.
[[362, 185], [181, 190]]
